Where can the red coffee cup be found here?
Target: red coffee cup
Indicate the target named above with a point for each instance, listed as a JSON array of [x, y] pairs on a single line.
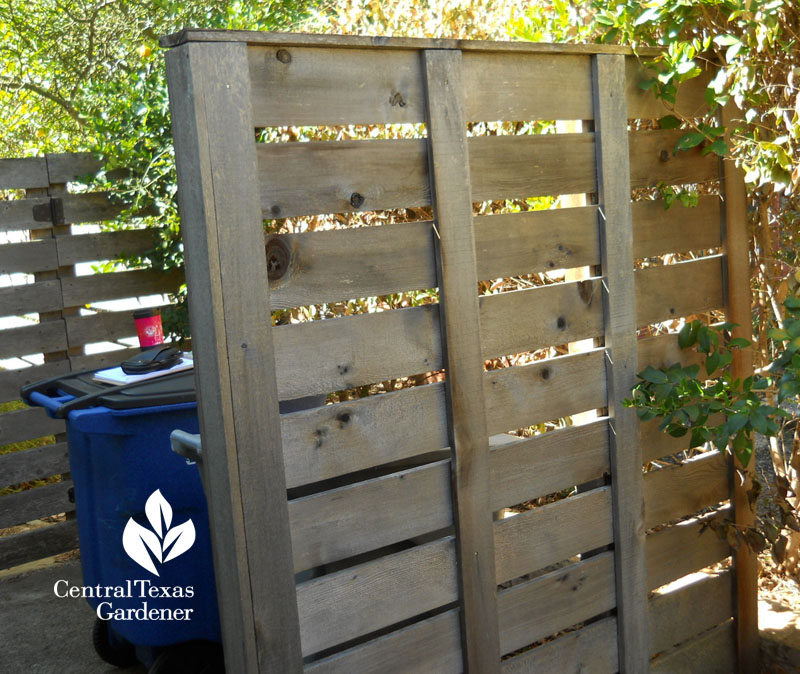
[[148, 327]]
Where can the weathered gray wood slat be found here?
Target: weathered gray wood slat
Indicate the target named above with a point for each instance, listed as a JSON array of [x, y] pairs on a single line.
[[431, 645], [101, 327], [33, 464], [502, 86], [350, 520], [104, 246], [699, 549], [28, 257], [545, 390], [226, 268], [318, 445], [614, 177], [35, 338], [25, 506], [568, 527], [677, 491], [84, 207], [711, 653], [69, 166], [335, 265], [675, 290], [27, 424], [682, 613], [393, 173], [363, 599], [571, 595], [80, 290], [31, 298], [592, 648], [27, 173], [547, 463], [29, 546], [11, 381], [459, 317]]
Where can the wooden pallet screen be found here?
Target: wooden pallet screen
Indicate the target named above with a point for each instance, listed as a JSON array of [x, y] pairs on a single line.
[[388, 553], [44, 212]]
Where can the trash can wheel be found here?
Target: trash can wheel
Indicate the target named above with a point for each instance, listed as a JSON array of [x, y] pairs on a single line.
[[112, 649], [190, 657]]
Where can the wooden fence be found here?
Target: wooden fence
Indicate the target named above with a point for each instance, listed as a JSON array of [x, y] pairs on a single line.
[[413, 568], [51, 296]]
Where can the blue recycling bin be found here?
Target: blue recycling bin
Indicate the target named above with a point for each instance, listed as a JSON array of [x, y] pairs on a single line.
[[141, 511]]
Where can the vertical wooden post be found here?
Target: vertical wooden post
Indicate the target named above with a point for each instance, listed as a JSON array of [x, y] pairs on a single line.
[[736, 246], [460, 321], [619, 307], [229, 308]]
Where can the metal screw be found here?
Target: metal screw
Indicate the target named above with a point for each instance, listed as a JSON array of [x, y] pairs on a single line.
[[283, 56], [356, 200]]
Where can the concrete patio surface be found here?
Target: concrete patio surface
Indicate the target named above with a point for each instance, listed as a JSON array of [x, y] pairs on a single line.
[[43, 634]]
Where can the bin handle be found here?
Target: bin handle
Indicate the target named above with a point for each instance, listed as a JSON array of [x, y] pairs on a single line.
[[187, 445], [51, 384]]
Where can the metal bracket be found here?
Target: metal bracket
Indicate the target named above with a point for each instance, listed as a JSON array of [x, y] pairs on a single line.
[[51, 211]]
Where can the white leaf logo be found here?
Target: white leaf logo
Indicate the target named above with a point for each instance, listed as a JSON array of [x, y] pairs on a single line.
[[139, 542]]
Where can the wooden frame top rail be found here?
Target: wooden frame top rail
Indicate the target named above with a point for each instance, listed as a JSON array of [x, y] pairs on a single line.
[[252, 37]]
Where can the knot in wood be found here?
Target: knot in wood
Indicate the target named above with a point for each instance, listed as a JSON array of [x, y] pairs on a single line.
[[397, 99], [283, 56], [277, 258]]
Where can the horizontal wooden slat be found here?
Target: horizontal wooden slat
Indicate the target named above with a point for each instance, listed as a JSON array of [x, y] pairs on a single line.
[[431, 645], [26, 173], [80, 290], [561, 529], [11, 381], [541, 607], [336, 265], [105, 326], [361, 262], [590, 649], [500, 86], [525, 395], [648, 151], [699, 549], [34, 338], [350, 520], [710, 653], [362, 599], [97, 361], [336, 354], [351, 436], [509, 87], [28, 257], [657, 231], [547, 463], [517, 167], [674, 615], [78, 208], [677, 491], [690, 101], [25, 506], [671, 291], [526, 320], [27, 424], [30, 298], [29, 546], [33, 464], [69, 166], [104, 245]]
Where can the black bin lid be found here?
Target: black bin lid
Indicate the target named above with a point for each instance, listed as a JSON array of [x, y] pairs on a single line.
[[169, 389]]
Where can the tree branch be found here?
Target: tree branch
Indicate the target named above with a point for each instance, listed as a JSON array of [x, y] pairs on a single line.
[[11, 85]]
